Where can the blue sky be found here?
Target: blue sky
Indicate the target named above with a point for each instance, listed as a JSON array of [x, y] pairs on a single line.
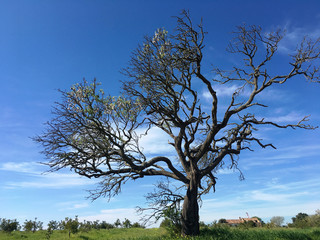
[[47, 45]]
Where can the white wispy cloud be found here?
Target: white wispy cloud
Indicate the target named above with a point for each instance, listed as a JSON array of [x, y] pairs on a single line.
[[274, 95], [72, 205], [258, 195], [294, 35], [296, 186], [296, 169], [52, 180], [35, 178], [271, 161], [224, 90], [292, 117], [284, 155], [22, 167], [155, 142], [226, 171]]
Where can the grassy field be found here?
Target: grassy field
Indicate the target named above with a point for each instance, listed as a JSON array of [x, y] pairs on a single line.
[[116, 234], [215, 233]]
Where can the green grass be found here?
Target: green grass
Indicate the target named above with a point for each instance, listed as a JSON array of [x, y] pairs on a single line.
[[116, 234], [260, 234], [215, 233]]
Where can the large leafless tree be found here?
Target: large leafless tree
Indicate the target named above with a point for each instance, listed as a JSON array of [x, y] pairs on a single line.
[[96, 135]]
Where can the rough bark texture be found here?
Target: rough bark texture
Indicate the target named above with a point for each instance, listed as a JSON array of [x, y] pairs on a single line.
[[190, 210]]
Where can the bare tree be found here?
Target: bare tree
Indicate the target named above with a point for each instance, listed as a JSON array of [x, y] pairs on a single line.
[[277, 221], [97, 135]]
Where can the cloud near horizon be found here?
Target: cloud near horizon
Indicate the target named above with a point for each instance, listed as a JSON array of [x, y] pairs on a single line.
[[35, 177]]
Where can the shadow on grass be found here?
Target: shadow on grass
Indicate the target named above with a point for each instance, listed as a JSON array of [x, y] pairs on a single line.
[[84, 237]]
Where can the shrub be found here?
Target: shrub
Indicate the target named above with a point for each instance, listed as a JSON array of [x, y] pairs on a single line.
[[303, 220], [72, 225], [117, 223], [8, 225], [137, 225], [126, 223], [54, 225], [105, 225], [172, 220], [222, 220], [247, 224], [48, 233], [33, 226]]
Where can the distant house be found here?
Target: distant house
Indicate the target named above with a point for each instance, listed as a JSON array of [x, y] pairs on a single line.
[[236, 222]]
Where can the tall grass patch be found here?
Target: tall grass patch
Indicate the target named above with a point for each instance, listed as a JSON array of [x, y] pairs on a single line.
[[212, 233]]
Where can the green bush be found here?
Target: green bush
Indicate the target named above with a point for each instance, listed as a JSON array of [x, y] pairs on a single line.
[[105, 225], [54, 225], [303, 220], [8, 225], [71, 225], [33, 226], [172, 221]]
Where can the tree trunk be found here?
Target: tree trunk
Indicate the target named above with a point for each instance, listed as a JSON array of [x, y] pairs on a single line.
[[190, 210]]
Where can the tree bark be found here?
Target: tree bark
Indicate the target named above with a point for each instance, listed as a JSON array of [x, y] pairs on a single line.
[[190, 210]]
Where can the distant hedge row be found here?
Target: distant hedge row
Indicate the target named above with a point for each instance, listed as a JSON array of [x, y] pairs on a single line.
[[72, 225]]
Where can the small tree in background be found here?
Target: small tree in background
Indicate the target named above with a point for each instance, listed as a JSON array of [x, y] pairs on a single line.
[[85, 226], [28, 225], [315, 219], [8, 225], [299, 217], [222, 220], [117, 223], [303, 220], [277, 221], [126, 223], [48, 233], [32, 225], [300, 220], [71, 225], [105, 225], [54, 225], [137, 225]]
